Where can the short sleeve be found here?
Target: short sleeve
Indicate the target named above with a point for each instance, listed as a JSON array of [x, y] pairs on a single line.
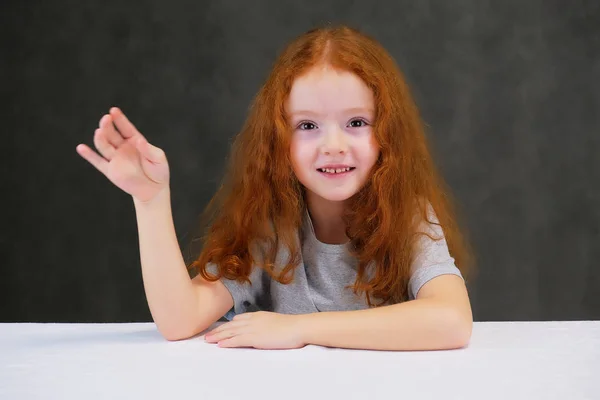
[[247, 297], [432, 257]]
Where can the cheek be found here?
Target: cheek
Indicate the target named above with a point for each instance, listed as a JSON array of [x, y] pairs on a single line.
[[297, 157], [294, 153], [375, 152], [300, 152], [369, 151]]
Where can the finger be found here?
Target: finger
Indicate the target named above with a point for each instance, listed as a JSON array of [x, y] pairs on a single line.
[[150, 152], [218, 329], [236, 341], [93, 158], [111, 134], [218, 336], [126, 128], [243, 316], [225, 326], [102, 145], [221, 330]]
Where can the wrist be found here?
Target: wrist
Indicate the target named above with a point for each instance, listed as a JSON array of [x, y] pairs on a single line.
[[162, 197], [305, 327]]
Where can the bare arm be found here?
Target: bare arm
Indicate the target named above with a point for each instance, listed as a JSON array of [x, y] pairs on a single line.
[[180, 307], [440, 318]]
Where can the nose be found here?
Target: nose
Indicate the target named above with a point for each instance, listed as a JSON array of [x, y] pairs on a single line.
[[334, 142]]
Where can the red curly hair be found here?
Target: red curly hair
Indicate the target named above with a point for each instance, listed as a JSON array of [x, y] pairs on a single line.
[[261, 199]]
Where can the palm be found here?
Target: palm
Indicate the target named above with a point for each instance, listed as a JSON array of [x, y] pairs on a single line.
[[128, 161], [126, 172]]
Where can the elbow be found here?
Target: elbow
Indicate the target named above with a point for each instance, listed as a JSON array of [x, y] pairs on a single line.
[[177, 333], [458, 330], [174, 335]]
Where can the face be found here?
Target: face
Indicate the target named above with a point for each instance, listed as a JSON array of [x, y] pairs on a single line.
[[333, 147]]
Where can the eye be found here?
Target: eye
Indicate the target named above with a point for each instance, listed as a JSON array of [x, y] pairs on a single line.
[[306, 126], [359, 121]]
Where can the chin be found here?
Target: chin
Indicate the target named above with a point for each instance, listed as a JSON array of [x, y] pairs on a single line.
[[336, 196]]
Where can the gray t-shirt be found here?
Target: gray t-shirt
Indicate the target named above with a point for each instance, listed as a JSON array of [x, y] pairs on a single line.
[[321, 280]]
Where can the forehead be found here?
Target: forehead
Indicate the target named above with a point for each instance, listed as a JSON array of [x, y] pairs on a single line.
[[328, 90]]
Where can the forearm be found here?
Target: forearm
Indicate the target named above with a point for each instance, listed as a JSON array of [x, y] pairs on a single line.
[[424, 324], [171, 296]]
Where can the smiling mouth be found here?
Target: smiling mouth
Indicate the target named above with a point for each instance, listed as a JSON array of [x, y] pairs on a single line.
[[334, 171]]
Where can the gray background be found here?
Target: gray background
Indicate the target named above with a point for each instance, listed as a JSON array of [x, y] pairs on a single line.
[[509, 90]]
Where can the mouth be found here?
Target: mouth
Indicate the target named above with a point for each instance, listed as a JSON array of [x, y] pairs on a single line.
[[333, 172]]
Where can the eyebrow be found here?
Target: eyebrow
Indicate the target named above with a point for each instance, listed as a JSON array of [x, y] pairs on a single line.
[[346, 111]]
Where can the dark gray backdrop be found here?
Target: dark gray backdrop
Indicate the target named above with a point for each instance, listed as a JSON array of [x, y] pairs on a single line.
[[509, 89]]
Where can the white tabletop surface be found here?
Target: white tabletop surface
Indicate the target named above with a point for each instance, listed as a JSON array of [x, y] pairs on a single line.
[[505, 360]]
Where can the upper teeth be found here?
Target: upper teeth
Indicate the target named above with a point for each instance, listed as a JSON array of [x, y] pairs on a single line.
[[335, 170]]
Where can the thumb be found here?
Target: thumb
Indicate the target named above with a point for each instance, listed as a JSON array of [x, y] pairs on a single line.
[[152, 153]]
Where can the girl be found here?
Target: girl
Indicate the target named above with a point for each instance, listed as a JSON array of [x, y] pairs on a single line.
[[331, 226]]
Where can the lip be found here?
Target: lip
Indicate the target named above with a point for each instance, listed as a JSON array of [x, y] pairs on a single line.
[[340, 175], [335, 166]]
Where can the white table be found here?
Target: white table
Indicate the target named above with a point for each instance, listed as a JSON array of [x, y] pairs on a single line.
[[514, 360]]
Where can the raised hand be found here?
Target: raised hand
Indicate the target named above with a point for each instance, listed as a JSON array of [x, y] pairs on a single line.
[[126, 158]]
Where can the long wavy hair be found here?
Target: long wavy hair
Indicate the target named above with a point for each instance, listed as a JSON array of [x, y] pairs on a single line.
[[260, 200]]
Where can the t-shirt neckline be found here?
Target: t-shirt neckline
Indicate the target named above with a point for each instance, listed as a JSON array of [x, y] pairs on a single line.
[[311, 237]]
